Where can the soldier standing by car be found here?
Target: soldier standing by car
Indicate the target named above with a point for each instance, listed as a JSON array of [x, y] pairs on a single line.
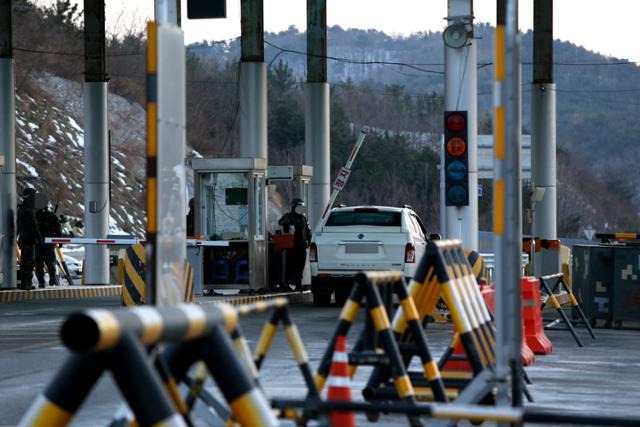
[[297, 255], [49, 226], [28, 236]]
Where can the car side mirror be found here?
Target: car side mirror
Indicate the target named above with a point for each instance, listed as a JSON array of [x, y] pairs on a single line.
[[435, 236]]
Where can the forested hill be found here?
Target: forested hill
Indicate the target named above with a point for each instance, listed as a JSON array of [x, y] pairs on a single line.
[[597, 96]]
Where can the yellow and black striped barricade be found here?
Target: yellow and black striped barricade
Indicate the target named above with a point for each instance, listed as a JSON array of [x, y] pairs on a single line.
[[366, 287], [551, 298], [63, 265], [444, 272], [102, 339], [253, 362], [134, 287]]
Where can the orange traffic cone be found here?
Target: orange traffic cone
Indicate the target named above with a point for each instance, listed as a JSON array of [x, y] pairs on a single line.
[[339, 384]]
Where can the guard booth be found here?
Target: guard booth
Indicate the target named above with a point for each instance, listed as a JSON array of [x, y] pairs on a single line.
[[230, 205]]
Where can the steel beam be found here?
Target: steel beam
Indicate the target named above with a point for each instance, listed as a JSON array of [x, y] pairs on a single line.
[[461, 94], [317, 110], [96, 147], [7, 148]]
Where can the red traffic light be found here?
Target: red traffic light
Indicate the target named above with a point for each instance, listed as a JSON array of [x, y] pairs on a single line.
[[456, 122], [456, 146]]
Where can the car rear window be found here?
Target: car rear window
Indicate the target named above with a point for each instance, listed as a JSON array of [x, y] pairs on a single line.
[[379, 219]]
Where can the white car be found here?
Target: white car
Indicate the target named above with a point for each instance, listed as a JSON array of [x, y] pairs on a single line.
[[363, 238]]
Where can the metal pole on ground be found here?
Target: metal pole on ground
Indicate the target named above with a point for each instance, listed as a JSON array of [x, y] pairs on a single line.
[[317, 112], [543, 125], [96, 147], [253, 81], [507, 203], [7, 148], [461, 94]]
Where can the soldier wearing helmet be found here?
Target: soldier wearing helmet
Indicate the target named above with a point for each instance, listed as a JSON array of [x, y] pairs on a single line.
[[29, 236], [296, 256]]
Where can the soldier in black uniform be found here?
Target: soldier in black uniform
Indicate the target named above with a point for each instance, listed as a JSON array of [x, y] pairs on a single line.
[[49, 226], [28, 236], [296, 256]]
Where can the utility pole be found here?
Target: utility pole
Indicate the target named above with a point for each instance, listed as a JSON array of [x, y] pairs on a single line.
[[96, 146], [253, 81], [507, 203], [7, 147], [543, 128], [316, 95], [460, 68]]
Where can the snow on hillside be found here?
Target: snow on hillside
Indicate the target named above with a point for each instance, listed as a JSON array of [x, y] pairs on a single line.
[[50, 149]]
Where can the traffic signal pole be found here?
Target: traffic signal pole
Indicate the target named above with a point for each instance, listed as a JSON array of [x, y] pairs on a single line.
[[96, 147], [253, 81], [543, 124], [316, 95], [461, 95], [7, 147]]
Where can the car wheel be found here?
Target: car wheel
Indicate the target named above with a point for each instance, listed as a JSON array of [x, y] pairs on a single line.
[[321, 298], [342, 293]]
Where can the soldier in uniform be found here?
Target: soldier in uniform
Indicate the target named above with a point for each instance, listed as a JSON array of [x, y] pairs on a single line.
[[29, 236], [49, 226], [191, 218], [296, 256]]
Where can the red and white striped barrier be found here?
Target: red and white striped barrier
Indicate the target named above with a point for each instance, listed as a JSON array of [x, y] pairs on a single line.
[[125, 241]]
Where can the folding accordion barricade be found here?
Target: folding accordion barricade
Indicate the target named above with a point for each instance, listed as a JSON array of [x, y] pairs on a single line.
[[551, 292], [125, 342], [253, 362]]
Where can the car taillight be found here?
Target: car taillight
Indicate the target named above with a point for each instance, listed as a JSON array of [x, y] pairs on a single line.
[[409, 253], [313, 253]]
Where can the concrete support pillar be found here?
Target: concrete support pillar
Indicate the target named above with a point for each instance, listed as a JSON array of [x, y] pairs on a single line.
[[543, 158], [317, 147], [253, 109], [253, 81], [8, 197], [317, 110], [461, 94], [8, 185], [168, 11], [96, 144], [543, 129], [96, 181]]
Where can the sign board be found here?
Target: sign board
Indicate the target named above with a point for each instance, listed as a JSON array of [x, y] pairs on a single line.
[[341, 179], [589, 233], [480, 190]]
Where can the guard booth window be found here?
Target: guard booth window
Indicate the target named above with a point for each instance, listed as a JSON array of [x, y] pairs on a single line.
[[225, 211]]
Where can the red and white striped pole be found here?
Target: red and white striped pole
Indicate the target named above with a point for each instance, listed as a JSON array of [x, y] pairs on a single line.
[[343, 175], [340, 385]]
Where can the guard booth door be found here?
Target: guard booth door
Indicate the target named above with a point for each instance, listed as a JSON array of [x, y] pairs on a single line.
[[231, 206]]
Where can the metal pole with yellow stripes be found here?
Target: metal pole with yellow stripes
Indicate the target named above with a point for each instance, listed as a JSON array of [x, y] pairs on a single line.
[[507, 202]]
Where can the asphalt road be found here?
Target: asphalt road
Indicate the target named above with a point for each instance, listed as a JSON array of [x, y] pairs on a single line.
[[602, 377]]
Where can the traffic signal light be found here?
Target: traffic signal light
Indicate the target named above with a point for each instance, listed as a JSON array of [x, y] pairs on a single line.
[[456, 159]]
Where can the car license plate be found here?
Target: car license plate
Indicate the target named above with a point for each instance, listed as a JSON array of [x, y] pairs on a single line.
[[362, 248]]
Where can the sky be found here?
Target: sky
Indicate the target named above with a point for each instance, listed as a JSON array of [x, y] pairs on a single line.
[[593, 24]]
